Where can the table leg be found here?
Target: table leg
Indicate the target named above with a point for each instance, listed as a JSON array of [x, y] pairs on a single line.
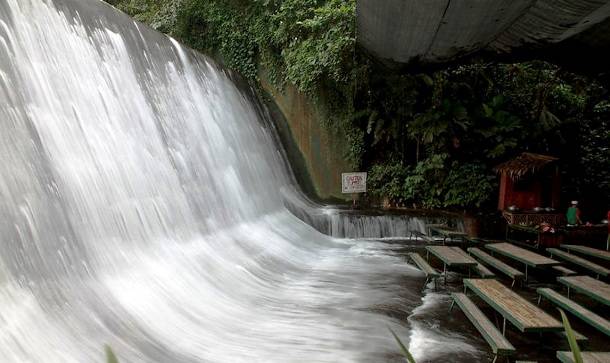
[[525, 273], [504, 327], [568, 292], [425, 283], [445, 272]]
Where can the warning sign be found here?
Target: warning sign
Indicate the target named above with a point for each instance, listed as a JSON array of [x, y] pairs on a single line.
[[353, 183]]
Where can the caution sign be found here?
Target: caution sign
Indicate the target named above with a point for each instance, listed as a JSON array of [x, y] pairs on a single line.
[[353, 183]]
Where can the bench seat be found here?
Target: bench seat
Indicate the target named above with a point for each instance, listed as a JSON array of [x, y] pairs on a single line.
[[593, 267], [577, 310], [564, 271], [587, 357], [484, 272], [421, 235], [497, 264], [423, 265], [581, 339], [498, 343]]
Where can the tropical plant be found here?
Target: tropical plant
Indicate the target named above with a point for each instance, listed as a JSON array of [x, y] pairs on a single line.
[[110, 356], [475, 113], [403, 349], [571, 338]]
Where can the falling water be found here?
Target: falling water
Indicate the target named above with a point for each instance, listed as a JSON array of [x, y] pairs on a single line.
[[140, 207]]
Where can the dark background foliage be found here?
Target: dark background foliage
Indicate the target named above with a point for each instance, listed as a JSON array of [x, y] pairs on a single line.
[[428, 138]]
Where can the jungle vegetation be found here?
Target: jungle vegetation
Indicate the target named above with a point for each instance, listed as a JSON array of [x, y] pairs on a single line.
[[428, 137]]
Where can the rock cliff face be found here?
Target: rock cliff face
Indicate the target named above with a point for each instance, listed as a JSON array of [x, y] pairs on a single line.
[[316, 155]]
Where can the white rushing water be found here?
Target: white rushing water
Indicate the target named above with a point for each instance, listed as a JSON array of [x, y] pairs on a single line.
[[141, 207]]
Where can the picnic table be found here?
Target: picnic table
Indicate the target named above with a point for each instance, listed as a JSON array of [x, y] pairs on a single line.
[[446, 232], [595, 289], [451, 257], [524, 315], [589, 251], [429, 226], [528, 258], [587, 357]]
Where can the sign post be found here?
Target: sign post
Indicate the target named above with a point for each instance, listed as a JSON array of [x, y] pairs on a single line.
[[353, 183]]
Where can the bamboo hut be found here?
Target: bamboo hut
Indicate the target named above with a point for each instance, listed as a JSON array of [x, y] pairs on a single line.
[[530, 182]]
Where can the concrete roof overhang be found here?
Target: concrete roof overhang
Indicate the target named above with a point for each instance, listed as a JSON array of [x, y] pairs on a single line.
[[428, 32]]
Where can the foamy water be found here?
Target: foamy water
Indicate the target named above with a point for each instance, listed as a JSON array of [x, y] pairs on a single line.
[[141, 206]]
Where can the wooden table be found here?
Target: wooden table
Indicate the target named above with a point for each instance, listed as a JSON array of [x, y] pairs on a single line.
[[522, 255], [435, 225], [587, 357], [589, 251], [447, 233], [451, 256], [595, 289], [525, 316]]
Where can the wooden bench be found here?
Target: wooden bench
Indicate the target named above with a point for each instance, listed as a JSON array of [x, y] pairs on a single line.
[[481, 270], [484, 272], [595, 268], [497, 264], [476, 240], [421, 235], [431, 272], [451, 257], [581, 339], [527, 257], [434, 225], [447, 233], [587, 357], [587, 285], [524, 315], [498, 343], [589, 251], [577, 310], [564, 271]]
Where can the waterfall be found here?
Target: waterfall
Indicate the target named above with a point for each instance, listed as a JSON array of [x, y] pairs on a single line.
[[142, 206], [345, 223]]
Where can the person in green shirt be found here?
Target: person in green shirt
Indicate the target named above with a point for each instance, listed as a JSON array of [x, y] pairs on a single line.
[[573, 214]]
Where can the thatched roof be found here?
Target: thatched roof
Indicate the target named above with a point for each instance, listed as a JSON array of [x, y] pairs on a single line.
[[524, 164]]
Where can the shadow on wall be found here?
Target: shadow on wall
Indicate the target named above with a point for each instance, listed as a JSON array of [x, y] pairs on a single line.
[[316, 161]]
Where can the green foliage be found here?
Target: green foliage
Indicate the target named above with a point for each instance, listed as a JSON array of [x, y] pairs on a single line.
[[478, 115], [425, 183], [388, 179], [219, 27], [571, 338], [436, 132], [432, 183], [403, 349], [468, 185], [110, 356], [307, 43], [315, 39]]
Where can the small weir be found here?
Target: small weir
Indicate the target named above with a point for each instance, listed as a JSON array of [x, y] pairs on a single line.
[[342, 222]]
